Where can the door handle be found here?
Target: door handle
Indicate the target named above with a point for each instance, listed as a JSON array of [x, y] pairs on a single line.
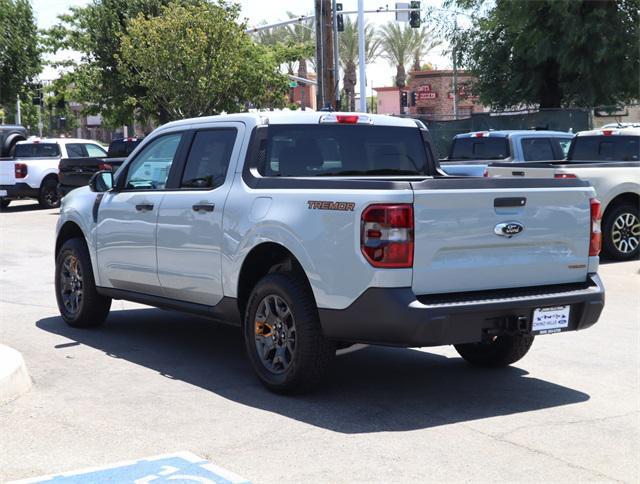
[[203, 207], [144, 207]]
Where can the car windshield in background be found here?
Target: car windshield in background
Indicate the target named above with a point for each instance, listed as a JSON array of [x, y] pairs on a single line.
[[479, 148], [37, 150], [343, 150], [605, 148], [123, 148]]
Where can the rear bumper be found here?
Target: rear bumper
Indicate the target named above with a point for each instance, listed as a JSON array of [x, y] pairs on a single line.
[[19, 190], [397, 317]]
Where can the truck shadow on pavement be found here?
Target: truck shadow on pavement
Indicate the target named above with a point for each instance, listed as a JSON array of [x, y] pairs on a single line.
[[373, 390]]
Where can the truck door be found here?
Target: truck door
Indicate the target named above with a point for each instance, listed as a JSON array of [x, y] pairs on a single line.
[[190, 231]]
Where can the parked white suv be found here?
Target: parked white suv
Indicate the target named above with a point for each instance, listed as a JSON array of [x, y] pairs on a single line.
[[33, 170]]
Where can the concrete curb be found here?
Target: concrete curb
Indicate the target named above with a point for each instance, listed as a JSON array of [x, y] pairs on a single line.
[[14, 378]]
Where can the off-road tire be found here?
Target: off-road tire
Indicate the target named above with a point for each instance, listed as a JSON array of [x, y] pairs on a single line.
[[504, 351], [313, 353], [48, 196], [93, 308], [609, 248]]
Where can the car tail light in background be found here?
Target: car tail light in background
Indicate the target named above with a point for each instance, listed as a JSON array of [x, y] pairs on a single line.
[[485, 173], [105, 166], [564, 175], [346, 119], [386, 237], [20, 170], [479, 135], [596, 235]]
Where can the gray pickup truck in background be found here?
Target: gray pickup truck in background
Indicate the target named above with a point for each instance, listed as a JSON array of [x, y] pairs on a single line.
[[470, 153], [313, 231]]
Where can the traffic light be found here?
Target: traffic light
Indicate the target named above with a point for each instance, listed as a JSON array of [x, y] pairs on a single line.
[[413, 98], [403, 99], [36, 100], [414, 15], [339, 17]]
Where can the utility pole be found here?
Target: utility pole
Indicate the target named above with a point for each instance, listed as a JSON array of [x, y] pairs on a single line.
[[18, 114], [362, 77], [324, 53], [455, 69]]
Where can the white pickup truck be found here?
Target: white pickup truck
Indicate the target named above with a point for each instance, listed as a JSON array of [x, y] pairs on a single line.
[[33, 170], [318, 230], [609, 159]]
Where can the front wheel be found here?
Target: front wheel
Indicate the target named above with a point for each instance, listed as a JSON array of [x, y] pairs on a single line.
[[79, 303], [502, 351], [48, 197], [621, 232], [282, 334]]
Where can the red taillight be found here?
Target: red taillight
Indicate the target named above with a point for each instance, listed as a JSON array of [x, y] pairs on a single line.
[[20, 170], [564, 175], [386, 236], [479, 135], [607, 132], [105, 166], [347, 118], [485, 173], [595, 242]]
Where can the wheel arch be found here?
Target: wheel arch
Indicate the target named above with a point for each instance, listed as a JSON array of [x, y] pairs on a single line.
[[68, 231], [627, 197], [261, 260]]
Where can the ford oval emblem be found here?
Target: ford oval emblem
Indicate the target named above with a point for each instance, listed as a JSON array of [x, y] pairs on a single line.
[[508, 229]]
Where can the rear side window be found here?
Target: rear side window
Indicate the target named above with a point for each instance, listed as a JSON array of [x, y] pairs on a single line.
[[37, 150], [479, 148], [343, 150], [76, 150], [537, 149], [208, 158], [95, 151], [564, 143], [605, 148], [117, 149]]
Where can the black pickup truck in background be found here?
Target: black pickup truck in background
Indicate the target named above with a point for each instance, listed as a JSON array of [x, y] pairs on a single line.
[[76, 172]]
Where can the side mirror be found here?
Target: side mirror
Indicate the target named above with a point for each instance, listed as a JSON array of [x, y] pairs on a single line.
[[101, 181]]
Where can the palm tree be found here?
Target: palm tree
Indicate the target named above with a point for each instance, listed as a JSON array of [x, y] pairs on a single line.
[[348, 53], [425, 41], [398, 46], [303, 35]]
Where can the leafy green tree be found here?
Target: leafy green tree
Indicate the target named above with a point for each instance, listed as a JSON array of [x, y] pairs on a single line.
[[348, 53], [196, 60], [20, 59], [553, 53], [96, 31], [302, 34]]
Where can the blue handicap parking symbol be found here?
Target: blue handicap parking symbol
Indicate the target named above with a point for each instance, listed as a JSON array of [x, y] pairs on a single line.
[[182, 467]]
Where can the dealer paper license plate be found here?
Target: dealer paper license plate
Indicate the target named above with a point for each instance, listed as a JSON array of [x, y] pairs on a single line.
[[550, 320]]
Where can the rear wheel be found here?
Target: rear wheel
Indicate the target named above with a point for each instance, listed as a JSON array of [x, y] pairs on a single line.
[[502, 351], [4, 203], [79, 303], [48, 197], [621, 232], [282, 334]]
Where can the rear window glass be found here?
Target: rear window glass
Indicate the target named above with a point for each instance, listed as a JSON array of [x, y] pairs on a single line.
[[122, 148], [479, 148], [343, 150], [37, 150], [537, 149], [605, 148]]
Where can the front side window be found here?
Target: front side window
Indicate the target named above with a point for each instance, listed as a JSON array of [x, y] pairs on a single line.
[[343, 150], [537, 149], [150, 169], [37, 150], [95, 151], [208, 158]]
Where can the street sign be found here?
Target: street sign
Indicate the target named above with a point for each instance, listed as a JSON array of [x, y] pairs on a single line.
[[293, 84], [403, 15], [162, 469]]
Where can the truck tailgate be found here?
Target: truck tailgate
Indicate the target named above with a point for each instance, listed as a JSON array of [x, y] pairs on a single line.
[[523, 170], [457, 248]]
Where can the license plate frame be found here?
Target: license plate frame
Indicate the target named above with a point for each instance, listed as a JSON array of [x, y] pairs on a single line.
[[549, 320]]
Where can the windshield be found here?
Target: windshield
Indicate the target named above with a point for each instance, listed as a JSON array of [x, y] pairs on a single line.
[[605, 148], [37, 150], [479, 148], [343, 150]]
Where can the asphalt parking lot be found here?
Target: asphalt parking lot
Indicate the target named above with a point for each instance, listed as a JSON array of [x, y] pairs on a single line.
[[151, 382]]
